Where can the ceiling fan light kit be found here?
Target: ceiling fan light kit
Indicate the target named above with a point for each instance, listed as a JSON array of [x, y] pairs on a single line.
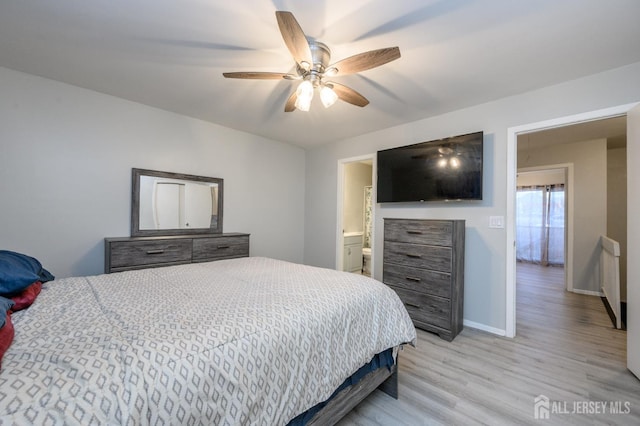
[[313, 66], [328, 96], [304, 95]]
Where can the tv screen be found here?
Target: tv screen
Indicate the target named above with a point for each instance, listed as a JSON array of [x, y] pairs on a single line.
[[439, 170]]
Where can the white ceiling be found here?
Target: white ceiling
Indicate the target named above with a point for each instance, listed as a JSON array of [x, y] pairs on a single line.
[[613, 129], [455, 53]]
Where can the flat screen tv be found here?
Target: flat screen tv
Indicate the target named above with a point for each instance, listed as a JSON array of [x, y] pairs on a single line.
[[447, 169]]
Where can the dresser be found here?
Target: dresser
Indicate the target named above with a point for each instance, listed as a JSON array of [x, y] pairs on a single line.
[[423, 262], [123, 254]]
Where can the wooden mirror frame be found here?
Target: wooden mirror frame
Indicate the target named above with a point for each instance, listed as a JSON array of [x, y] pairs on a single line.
[[135, 204]]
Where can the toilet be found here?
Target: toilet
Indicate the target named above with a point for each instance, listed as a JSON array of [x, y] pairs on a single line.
[[366, 261]]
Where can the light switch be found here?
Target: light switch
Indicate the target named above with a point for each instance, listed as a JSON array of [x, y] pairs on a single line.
[[496, 221]]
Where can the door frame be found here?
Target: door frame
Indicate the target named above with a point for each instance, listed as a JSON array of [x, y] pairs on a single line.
[[512, 167], [340, 206], [633, 247]]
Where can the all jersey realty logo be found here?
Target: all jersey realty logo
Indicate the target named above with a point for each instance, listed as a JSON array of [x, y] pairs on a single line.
[[543, 407]]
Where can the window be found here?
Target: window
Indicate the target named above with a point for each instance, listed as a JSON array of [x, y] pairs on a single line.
[[540, 224]]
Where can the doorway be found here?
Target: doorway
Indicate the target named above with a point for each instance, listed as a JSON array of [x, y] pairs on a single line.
[[512, 137], [542, 218], [355, 215]]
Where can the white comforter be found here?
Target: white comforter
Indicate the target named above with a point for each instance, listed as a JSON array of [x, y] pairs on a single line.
[[242, 341]]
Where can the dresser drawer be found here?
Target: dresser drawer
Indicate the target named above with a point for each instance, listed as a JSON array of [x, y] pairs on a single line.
[[205, 249], [126, 254], [122, 254], [417, 279], [418, 256], [425, 309], [433, 232]]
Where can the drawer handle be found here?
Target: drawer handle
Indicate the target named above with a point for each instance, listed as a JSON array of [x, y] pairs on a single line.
[[411, 305], [415, 279], [414, 232], [414, 256], [223, 247], [159, 251]]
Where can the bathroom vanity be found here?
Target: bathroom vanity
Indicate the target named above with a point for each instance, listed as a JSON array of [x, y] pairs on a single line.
[[352, 260]]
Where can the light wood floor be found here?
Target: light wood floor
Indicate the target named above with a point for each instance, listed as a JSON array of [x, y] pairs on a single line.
[[565, 349]]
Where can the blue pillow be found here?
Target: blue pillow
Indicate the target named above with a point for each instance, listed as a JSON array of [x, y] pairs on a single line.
[[5, 305], [18, 271]]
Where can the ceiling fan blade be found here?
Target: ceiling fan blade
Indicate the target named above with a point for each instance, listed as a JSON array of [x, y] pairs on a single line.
[[349, 95], [256, 75], [364, 61], [291, 103], [294, 38]]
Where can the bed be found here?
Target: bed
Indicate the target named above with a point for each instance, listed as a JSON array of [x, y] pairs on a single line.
[[239, 341]]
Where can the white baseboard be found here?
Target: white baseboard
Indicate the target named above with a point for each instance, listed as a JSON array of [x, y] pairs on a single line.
[[500, 332], [587, 292], [484, 327]]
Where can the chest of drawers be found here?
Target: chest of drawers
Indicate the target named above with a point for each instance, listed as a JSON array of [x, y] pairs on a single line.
[[423, 262], [123, 254]]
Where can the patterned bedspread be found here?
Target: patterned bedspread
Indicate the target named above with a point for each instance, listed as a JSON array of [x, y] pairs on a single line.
[[241, 341]]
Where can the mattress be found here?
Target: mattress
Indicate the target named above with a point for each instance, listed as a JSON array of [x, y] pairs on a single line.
[[240, 341]]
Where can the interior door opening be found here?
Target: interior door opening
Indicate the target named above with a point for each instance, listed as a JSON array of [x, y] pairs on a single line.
[[355, 216], [563, 125], [541, 216]]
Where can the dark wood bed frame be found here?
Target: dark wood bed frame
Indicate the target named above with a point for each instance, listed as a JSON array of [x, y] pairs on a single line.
[[384, 379]]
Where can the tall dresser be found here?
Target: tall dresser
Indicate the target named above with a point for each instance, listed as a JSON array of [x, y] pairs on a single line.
[[424, 264]]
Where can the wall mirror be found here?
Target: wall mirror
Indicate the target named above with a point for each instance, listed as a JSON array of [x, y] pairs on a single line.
[[164, 203]]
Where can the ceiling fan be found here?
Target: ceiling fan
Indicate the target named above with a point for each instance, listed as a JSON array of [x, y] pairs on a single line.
[[313, 68]]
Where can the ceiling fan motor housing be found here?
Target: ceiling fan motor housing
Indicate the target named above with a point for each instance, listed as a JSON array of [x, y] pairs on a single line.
[[320, 55]]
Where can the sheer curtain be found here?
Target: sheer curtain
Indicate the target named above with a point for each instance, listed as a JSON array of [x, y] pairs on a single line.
[[540, 224]]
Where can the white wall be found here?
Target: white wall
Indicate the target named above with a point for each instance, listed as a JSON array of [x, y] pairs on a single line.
[[66, 156], [589, 159], [485, 265], [540, 177], [617, 208]]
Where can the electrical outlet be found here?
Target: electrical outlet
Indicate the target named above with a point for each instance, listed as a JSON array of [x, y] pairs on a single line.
[[496, 222]]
